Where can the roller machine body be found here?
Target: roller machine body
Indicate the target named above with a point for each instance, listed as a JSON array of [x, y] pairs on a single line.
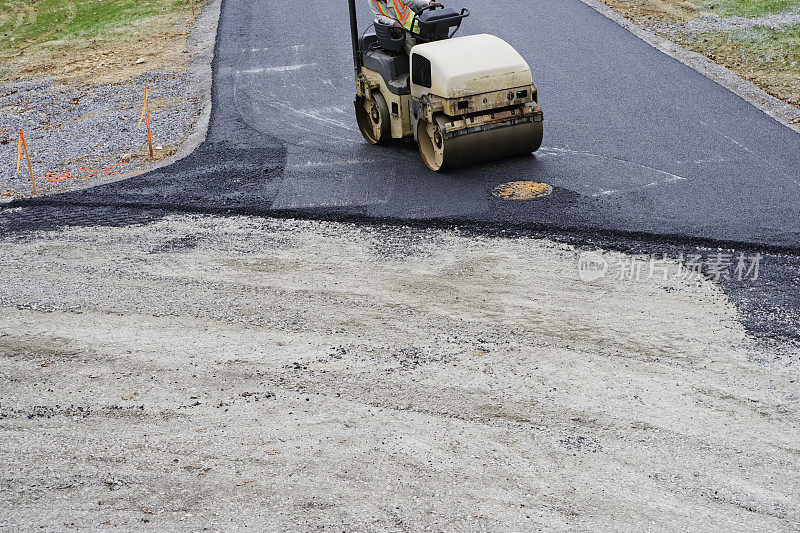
[[464, 100]]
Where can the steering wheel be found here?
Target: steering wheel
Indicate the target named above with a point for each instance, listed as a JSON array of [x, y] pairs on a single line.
[[460, 17], [464, 12], [428, 8]]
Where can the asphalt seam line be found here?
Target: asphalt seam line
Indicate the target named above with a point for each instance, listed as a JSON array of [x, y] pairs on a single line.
[[744, 89]]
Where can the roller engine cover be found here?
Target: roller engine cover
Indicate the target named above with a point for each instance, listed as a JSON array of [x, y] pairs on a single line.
[[467, 66]]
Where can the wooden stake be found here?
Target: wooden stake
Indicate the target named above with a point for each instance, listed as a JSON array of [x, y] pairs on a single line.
[[191, 2], [146, 117], [147, 110], [19, 151], [28, 159]]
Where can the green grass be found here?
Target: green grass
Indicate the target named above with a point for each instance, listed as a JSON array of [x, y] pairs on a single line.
[[786, 38], [748, 8], [771, 58], [23, 23]]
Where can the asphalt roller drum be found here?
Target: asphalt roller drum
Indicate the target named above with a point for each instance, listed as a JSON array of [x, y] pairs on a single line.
[[372, 115], [440, 152]]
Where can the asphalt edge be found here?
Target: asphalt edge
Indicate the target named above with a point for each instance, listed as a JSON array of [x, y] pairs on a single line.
[[203, 39], [744, 89]]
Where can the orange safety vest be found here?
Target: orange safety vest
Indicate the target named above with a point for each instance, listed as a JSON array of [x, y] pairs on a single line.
[[403, 13]]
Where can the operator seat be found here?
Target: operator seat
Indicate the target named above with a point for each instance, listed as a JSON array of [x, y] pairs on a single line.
[[383, 52]]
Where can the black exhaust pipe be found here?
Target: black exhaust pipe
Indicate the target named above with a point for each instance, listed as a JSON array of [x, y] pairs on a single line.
[[354, 37]]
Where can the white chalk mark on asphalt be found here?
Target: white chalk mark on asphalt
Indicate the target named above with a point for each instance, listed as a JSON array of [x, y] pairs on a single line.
[[284, 68], [295, 47], [670, 177], [743, 147], [315, 114], [740, 145], [317, 164], [339, 139]]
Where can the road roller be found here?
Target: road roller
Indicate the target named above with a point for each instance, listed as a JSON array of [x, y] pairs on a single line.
[[464, 100]]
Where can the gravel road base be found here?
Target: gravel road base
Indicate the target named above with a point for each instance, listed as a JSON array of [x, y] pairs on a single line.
[[199, 372]]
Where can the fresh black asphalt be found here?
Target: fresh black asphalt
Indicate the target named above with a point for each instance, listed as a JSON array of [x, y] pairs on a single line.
[[644, 153]]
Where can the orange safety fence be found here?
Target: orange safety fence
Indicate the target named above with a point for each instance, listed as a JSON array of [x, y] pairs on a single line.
[[65, 175], [96, 171], [55, 177], [52, 177]]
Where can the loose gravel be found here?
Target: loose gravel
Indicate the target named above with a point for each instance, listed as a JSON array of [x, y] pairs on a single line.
[[706, 23], [85, 129]]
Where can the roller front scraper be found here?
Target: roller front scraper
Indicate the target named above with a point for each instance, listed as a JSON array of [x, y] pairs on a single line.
[[464, 100]]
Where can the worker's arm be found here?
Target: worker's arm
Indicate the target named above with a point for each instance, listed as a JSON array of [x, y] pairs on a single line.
[[416, 6], [419, 4]]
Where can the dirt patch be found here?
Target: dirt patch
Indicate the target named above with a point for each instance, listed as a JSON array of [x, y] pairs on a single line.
[[94, 42], [769, 58], [162, 51], [652, 11]]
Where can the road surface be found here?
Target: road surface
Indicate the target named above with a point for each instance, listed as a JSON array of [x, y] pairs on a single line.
[[634, 141]]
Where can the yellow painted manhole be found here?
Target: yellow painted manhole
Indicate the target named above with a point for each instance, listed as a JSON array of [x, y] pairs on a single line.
[[522, 190]]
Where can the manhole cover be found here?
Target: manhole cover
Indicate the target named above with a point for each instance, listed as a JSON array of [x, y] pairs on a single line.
[[522, 190]]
